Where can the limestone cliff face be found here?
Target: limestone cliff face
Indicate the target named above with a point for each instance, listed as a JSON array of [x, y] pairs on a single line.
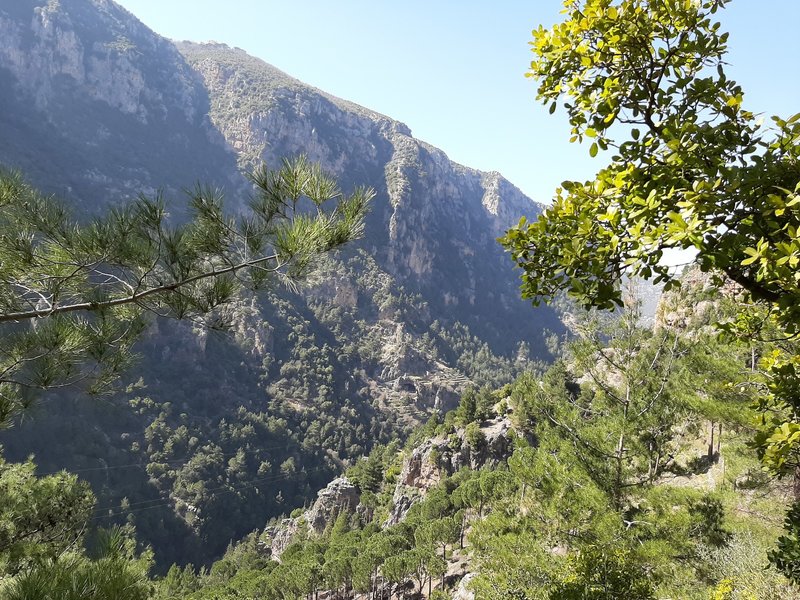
[[126, 67], [434, 222], [99, 108], [114, 107]]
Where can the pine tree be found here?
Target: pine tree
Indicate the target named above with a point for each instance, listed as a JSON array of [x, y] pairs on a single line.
[[74, 296]]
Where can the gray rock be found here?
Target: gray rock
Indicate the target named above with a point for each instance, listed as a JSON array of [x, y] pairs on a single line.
[[337, 497], [439, 457], [276, 538], [462, 591]]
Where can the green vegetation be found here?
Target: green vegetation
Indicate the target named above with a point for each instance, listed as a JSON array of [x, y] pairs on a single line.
[[92, 284], [74, 297], [576, 514], [692, 169], [353, 555], [623, 470], [196, 462], [219, 440], [114, 572]]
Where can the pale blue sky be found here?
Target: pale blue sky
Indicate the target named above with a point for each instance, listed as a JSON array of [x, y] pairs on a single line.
[[452, 70]]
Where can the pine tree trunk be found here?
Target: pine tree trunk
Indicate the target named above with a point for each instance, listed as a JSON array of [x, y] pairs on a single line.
[[444, 558], [463, 527], [621, 451], [711, 442]]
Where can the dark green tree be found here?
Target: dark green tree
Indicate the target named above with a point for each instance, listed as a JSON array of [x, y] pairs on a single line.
[[466, 406], [40, 517], [74, 296], [435, 537], [115, 573]]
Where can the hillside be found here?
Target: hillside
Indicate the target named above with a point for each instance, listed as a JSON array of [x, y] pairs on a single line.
[[516, 494], [434, 222], [214, 433]]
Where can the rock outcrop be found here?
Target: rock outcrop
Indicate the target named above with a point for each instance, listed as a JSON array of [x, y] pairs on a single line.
[[276, 538], [442, 456], [463, 592], [695, 306], [422, 470], [338, 497]]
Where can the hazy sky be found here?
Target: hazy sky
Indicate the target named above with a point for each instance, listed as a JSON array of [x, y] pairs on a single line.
[[452, 70]]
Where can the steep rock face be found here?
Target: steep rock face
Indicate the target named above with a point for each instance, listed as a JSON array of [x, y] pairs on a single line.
[[338, 497], [433, 223], [276, 538], [442, 456], [463, 592], [113, 107], [126, 67]]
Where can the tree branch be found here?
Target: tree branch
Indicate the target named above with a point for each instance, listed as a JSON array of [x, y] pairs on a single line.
[[135, 297]]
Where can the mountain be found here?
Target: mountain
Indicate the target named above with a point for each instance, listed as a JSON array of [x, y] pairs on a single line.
[[97, 109], [212, 434], [434, 223]]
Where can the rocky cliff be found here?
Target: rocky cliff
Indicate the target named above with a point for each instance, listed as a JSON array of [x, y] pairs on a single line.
[[422, 469], [434, 222], [337, 498], [98, 108], [440, 457]]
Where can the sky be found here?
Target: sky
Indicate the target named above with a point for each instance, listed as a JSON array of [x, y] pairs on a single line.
[[453, 70]]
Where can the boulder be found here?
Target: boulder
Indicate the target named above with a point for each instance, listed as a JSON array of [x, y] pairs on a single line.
[[463, 592]]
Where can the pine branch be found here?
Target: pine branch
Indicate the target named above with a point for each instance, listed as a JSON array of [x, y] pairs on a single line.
[[137, 296]]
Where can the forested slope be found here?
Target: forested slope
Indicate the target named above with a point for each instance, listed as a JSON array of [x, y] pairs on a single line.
[[527, 491], [249, 423]]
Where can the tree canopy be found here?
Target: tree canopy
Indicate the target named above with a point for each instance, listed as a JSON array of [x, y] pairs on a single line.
[[690, 168]]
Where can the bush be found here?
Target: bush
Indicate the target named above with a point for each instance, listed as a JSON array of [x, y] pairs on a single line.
[[741, 568], [474, 437]]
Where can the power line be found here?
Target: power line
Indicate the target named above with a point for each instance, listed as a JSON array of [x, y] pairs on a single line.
[[139, 464], [164, 501], [221, 489]]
